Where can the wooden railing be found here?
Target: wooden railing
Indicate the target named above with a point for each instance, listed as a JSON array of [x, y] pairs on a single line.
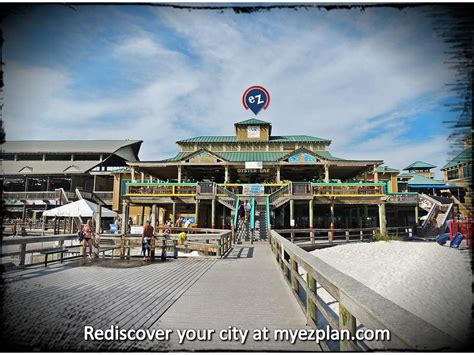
[[161, 189], [308, 276], [36, 195], [329, 235], [211, 241], [348, 189], [402, 197]]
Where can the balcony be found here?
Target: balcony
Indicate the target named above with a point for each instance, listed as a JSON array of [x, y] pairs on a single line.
[[160, 189], [403, 197], [36, 195], [348, 189]]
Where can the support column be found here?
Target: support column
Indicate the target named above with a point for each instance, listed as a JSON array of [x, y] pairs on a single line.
[[213, 213], [311, 234], [179, 173], [223, 217], [125, 216], [416, 214], [133, 173], [226, 174], [292, 212], [332, 225], [153, 216], [278, 180], [326, 173], [23, 212], [142, 218], [382, 219], [98, 219], [376, 174], [197, 213], [142, 176], [174, 213]]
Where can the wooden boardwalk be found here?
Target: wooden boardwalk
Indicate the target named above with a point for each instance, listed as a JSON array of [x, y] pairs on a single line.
[[47, 308]]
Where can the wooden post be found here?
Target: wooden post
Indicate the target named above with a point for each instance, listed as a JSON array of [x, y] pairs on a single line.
[[382, 219], [175, 249], [311, 309], [294, 270], [133, 173], [197, 213], [98, 219], [376, 174], [125, 216], [163, 250], [23, 254], [326, 173], [278, 180], [174, 212], [23, 213], [213, 213], [346, 321], [347, 236], [179, 173], [219, 247], [292, 212], [311, 226], [361, 234], [226, 174]]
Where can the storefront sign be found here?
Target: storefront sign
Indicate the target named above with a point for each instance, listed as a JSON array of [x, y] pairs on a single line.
[[253, 189], [252, 171], [253, 165], [302, 158]]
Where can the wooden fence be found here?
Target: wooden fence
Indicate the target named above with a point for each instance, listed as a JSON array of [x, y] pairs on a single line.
[[306, 274]]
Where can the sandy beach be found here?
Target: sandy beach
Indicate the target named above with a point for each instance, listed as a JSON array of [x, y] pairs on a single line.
[[429, 280]]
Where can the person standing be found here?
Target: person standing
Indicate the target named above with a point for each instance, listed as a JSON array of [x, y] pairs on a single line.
[[87, 241], [147, 237], [248, 208], [129, 225], [187, 224]]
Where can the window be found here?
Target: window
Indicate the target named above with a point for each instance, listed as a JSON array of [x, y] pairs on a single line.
[[60, 182], [13, 184], [29, 157], [7, 156], [82, 157], [37, 184], [453, 174], [104, 183], [467, 170], [58, 157]]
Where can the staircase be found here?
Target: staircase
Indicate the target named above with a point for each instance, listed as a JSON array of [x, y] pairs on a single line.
[[261, 222], [226, 197], [242, 230], [280, 197], [440, 209]]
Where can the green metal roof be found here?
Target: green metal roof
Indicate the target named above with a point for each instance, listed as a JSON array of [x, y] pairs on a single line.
[[422, 180], [252, 156], [420, 165], [464, 157], [386, 169], [233, 139], [251, 121]]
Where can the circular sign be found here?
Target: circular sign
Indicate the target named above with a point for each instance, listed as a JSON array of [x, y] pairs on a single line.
[[255, 98]]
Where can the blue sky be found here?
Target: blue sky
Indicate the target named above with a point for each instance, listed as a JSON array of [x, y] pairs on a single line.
[[374, 82]]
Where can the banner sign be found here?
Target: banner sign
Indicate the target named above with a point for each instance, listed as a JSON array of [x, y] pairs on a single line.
[[302, 158], [253, 189], [253, 165]]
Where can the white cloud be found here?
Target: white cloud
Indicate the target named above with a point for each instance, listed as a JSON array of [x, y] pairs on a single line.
[[324, 81]]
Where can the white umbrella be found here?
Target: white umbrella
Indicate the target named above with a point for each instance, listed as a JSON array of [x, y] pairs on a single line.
[[79, 208]]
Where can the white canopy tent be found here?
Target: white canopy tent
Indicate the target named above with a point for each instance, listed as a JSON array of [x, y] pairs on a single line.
[[79, 208]]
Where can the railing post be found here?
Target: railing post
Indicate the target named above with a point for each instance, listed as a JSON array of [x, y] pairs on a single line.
[[361, 234], [311, 309], [346, 321], [347, 236], [175, 249], [293, 271], [219, 246], [23, 254], [163, 250]]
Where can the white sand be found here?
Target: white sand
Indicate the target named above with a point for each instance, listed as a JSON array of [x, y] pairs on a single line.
[[431, 281]]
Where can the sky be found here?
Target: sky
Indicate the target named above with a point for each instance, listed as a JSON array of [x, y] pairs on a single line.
[[373, 81]]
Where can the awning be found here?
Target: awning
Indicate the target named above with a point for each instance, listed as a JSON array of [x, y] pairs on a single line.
[[434, 186], [79, 208]]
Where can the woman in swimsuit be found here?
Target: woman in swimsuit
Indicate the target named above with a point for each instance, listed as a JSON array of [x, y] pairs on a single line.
[[88, 238]]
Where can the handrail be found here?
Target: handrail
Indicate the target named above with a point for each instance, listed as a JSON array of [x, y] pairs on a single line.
[[356, 301], [274, 196], [236, 216], [135, 183], [430, 215], [267, 205], [252, 214]]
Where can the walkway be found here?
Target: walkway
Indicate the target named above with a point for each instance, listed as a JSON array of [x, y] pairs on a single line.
[[48, 308]]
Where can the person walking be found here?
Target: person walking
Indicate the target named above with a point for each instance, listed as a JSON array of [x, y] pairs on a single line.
[[147, 237], [87, 241], [248, 208]]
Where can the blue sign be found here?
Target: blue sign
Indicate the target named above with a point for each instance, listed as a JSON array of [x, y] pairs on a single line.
[[255, 98], [302, 158]]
